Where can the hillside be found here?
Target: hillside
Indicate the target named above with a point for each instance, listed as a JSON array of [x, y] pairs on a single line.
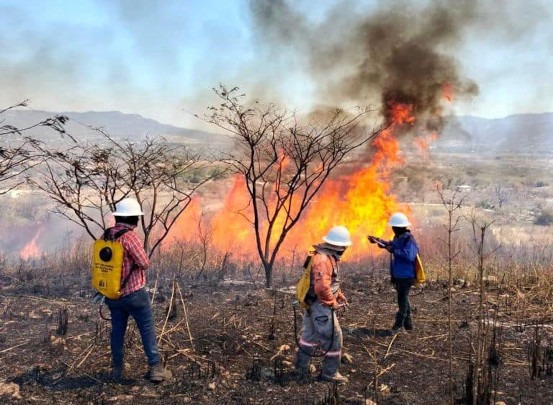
[[521, 133], [117, 124]]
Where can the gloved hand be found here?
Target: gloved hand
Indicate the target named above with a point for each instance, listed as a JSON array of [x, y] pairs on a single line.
[[342, 300], [381, 243], [338, 305]]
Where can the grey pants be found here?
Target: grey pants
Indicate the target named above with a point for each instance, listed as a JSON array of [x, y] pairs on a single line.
[[318, 335]]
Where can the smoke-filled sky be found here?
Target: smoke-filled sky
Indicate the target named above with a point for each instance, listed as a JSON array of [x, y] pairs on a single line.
[[160, 59]]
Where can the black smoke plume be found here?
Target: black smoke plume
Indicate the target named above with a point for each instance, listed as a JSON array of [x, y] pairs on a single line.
[[395, 53]]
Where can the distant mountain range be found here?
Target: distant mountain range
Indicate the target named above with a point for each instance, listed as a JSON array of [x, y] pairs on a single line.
[[117, 125], [521, 133]]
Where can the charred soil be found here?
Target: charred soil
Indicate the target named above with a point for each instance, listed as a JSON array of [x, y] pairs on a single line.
[[229, 343]]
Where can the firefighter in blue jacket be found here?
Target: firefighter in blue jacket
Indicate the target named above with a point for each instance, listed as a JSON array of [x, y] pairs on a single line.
[[404, 251]]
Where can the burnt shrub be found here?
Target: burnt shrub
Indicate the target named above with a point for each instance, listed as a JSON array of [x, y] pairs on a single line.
[[545, 218]]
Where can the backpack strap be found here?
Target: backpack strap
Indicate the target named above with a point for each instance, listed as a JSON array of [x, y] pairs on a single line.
[[116, 235], [124, 282]]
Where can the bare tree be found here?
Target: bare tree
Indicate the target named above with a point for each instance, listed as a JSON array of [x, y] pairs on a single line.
[[502, 194], [20, 152], [481, 388], [283, 161], [86, 181], [452, 205]]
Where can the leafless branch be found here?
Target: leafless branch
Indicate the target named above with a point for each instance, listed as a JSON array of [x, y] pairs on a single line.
[[284, 160]]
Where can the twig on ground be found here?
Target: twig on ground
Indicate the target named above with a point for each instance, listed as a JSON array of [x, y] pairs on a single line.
[[13, 347], [168, 313], [184, 352], [91, 348], [185, 311], [441, 335], [174, 328], [86, 374], [431, 357], [382, 372], [262, 346], [390, 346]]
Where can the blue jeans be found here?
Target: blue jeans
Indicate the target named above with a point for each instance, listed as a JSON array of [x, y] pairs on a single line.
[[138, 306]]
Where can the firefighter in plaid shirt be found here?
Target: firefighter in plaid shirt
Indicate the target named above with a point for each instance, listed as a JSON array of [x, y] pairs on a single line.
[[134, 300]]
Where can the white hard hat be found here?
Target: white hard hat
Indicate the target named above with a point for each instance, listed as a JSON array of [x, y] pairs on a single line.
[[128, 207], [338, 236], [399, 220]]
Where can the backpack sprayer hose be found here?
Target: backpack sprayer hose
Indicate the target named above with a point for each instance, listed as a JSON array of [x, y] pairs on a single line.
[[296, 334], [105, 318]]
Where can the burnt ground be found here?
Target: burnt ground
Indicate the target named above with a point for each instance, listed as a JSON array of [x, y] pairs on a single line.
[[242, 348]]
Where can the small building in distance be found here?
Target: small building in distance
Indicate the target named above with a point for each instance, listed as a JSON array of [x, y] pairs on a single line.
[[464, 188]]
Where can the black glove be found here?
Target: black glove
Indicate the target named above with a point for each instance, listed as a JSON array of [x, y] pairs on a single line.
[[380, 242]]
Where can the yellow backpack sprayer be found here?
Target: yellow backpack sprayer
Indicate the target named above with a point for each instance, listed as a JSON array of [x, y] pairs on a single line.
[[107, 265]]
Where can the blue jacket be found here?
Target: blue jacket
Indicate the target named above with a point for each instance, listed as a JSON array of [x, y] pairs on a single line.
[[404, 252]]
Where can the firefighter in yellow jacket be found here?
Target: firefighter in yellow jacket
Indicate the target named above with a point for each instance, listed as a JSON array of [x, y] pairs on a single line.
[[321, 329]]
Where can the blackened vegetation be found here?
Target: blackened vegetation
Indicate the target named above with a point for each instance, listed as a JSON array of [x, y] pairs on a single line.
[[540, 355], [279, 370], [203, 372], [331, 398], [273, 370], [63, 320], [254, 372], [230, 358]]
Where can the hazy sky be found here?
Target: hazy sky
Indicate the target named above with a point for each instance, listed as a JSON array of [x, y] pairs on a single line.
[[160, 59]]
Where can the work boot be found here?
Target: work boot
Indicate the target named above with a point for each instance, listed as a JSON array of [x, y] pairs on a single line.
[[156, 373], [336, 378], [408, 324], [116, 373], [395, 330]]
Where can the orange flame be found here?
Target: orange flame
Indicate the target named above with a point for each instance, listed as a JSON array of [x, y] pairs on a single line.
[[31, 249], [401, 113], [230, 229], [361, 201]]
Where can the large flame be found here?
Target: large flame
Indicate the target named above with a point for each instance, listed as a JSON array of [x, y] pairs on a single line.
[[360, 200]]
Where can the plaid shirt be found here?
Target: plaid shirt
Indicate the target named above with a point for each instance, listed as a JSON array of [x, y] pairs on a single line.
[[134, 256]]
